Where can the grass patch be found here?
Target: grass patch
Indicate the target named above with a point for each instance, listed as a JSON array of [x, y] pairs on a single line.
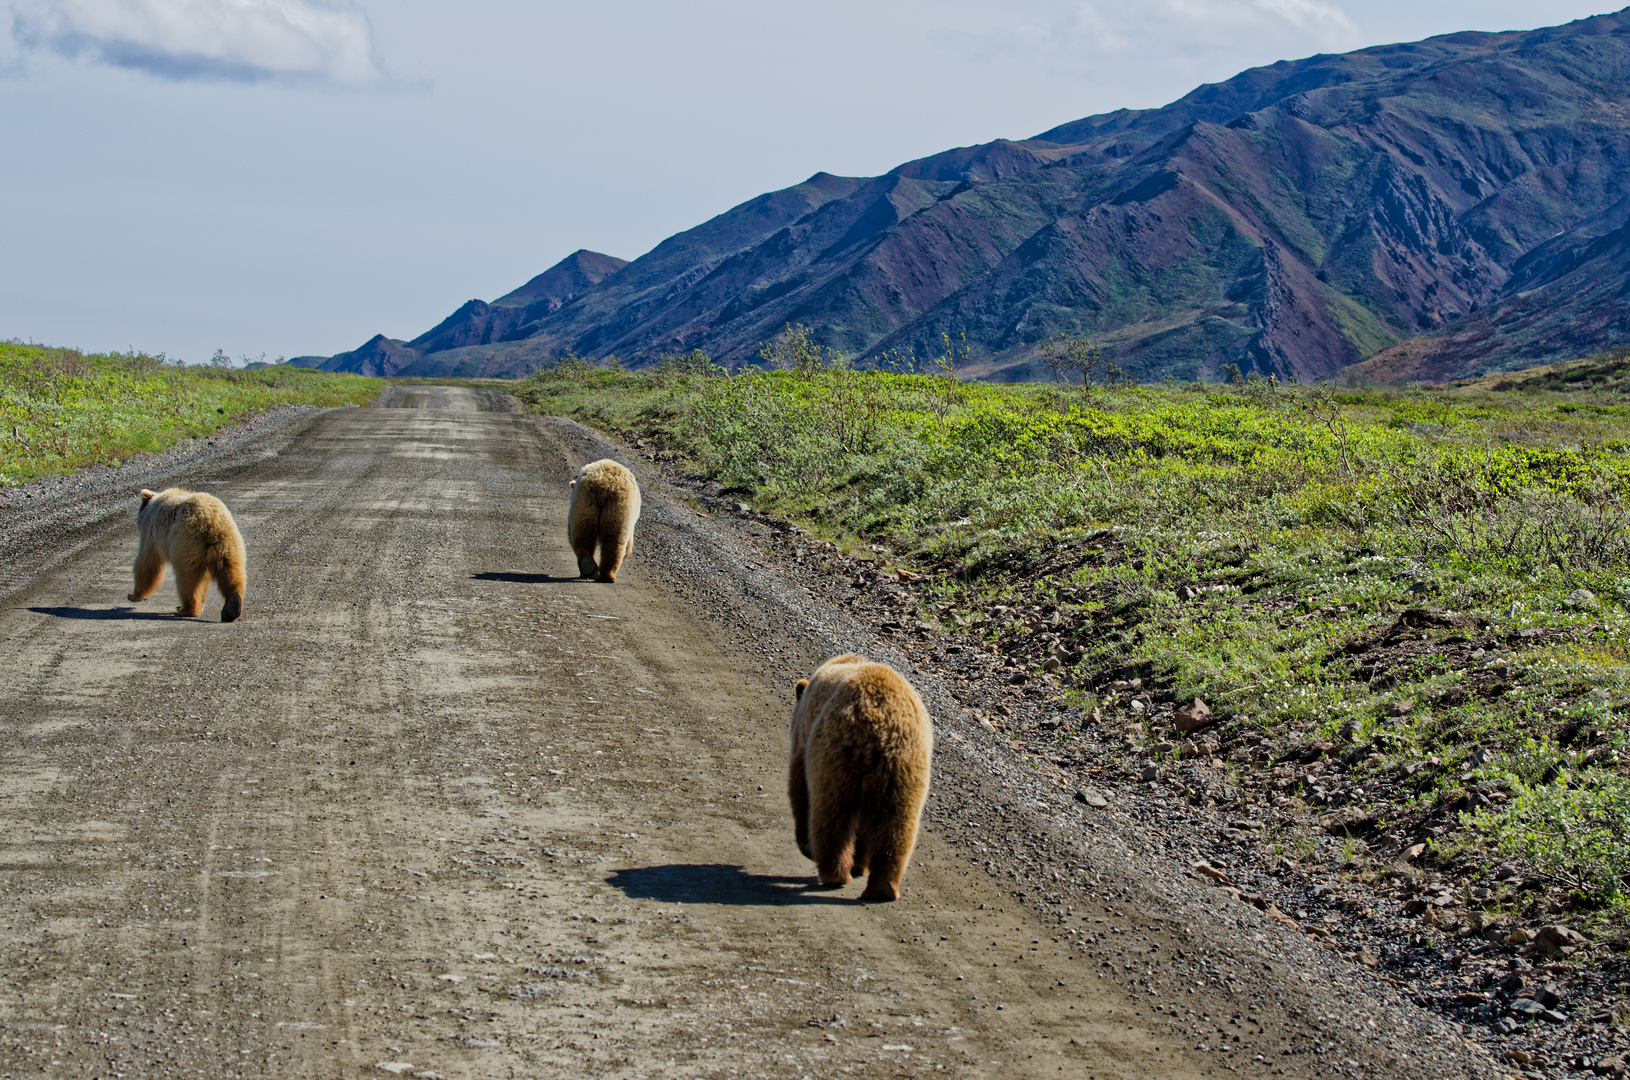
[[62, 410], [1409, 584]]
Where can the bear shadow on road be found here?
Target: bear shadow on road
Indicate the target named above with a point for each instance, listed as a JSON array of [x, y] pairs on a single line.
[[103, 613], [525, 579], [719, 883]]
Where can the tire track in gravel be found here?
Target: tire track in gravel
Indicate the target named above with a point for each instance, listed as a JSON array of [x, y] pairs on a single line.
[[432, 805]]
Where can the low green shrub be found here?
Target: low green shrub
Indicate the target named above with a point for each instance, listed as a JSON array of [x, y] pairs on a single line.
[[61, 409], [1575, 831]]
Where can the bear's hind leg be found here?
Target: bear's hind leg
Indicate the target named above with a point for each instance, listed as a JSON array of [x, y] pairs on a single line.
[[149, 573], [229, 577], [862, 858], [612, 545], [889, 844], [585, 534], [832, 840], [192, 583]]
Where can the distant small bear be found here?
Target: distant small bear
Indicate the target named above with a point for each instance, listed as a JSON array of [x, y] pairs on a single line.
[[194, 533], [862, 749], [605, 506]]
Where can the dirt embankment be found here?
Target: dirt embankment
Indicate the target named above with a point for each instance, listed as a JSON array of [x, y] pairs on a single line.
[[435, 808]]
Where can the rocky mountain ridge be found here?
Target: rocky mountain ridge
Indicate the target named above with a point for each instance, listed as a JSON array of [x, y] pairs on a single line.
[[1448, 207]]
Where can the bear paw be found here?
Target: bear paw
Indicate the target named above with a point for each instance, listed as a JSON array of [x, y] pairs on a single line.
[[132, 597], [880, 891]]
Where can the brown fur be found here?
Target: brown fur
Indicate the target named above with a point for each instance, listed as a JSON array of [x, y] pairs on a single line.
[[194, 533], [862, 750], [605, 506]]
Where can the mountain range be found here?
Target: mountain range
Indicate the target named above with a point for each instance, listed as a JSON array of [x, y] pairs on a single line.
[[1449, 207]]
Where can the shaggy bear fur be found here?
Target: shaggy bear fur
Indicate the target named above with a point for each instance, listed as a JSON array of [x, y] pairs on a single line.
[[862, 748], [194, 533], [605, 506]]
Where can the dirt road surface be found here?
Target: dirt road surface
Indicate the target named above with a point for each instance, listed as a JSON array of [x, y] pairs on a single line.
[[435, 808]]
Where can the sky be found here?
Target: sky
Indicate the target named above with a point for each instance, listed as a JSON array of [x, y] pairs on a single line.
[[290, 177]]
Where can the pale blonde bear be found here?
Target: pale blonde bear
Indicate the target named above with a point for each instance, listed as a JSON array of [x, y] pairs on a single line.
[[605, 506], [862, 749], [195, 534]]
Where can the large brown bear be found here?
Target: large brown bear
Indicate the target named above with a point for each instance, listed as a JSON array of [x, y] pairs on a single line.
[[862, 748], [605, 506], [194, 533]]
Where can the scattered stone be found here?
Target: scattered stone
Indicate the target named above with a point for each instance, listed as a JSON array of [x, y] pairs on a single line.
[[1401, 707], [1278, 916], [1150, 774], [1583, 599], [1547, 995], [1052, 663], [1413, 852], [1191, 718], [1557, 941], [395, 1068], [1526, 1008], [907, 575], [1519, 936], [1370, 960], [1211, 873], [1092, 797]]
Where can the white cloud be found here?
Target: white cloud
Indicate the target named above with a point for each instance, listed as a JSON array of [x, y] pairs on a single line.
[[1321, 19], [1084, 36], [296, 41]]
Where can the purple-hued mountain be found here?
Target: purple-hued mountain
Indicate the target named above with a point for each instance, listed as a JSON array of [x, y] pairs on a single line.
[[1455, 205]]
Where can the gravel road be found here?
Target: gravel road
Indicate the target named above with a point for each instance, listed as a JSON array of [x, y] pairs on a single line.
[[435, 808]]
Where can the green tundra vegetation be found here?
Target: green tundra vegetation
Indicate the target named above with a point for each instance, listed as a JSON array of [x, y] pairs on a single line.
[[61, 409], [1432, 582]]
